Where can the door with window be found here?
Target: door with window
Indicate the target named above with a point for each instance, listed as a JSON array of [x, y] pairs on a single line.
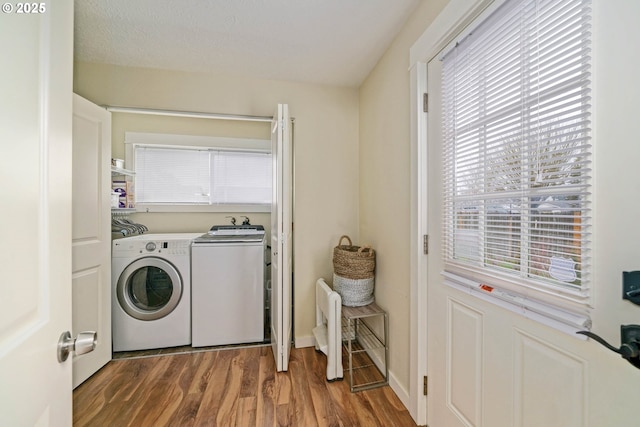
[[519, 160]]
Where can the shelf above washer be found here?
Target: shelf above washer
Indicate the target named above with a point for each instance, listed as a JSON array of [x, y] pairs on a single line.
[[120, 171]]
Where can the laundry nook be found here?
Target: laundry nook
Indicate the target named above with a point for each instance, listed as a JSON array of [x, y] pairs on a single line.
[[176, 291]]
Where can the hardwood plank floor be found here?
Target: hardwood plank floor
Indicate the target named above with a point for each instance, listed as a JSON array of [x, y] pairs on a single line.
[[228, 388]]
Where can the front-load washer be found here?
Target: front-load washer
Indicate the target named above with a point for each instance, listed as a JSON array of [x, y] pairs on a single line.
[[151, 291]]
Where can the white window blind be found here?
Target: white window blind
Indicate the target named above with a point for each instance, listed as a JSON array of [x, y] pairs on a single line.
[[241, 177], [517, 154], [188, 175]]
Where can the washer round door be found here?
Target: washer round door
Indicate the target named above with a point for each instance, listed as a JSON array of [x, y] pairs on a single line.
[[149, 288]]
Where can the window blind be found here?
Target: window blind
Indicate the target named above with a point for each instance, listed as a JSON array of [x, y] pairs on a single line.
[[171, 175], [241, 177], [189, 175], [517, 146]]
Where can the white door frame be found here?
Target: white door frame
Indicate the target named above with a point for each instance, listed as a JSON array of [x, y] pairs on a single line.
[[281, 238], [454, 17], [418, 262]]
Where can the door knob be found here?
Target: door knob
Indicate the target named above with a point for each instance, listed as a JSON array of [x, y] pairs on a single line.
[[83, 343], [630, 346]]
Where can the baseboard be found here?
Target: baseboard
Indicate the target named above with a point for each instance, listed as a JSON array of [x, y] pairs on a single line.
[[306, 341], [400, 391]]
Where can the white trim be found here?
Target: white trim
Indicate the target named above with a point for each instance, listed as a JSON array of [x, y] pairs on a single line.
[[146, 138], [305, 341], [454, 17], [477, 20], [549, 315], [418, 261], [192, 114], [153, 208], [400, 391]]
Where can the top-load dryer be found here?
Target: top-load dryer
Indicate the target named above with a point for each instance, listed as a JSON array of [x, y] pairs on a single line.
[[151, 291], [228, 272]]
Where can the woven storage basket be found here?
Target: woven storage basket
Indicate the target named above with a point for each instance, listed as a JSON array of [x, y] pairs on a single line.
[[353, 262], [354, 292]]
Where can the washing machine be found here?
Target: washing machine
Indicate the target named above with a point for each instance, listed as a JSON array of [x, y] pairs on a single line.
[[151, 291], [228, 271]]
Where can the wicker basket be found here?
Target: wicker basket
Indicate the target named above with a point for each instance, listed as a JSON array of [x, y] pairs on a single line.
[[354, 292], [353, 262]]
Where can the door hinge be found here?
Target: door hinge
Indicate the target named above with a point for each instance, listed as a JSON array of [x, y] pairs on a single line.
[[425, 244], [425, 390], [425, 103]]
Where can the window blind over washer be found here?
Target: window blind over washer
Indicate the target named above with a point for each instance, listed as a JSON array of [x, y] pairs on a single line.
[[517, 148], [170, 175]]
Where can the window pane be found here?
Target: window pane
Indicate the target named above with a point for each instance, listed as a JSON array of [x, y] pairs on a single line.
[[517, 143], [201, 176], [241, 177], [504, 234], [166, 175]]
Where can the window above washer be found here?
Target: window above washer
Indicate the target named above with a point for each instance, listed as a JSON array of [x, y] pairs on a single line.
[[181, 173]]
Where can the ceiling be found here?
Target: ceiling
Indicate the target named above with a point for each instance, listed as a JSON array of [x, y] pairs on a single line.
[[335, 42]]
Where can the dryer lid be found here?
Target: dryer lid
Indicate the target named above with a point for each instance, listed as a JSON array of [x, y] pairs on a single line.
[[232, 234]]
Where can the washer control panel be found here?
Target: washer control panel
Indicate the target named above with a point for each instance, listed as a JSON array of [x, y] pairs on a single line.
[[132, 247]]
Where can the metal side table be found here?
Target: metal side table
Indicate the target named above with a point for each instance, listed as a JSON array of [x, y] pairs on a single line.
[[366, 347]]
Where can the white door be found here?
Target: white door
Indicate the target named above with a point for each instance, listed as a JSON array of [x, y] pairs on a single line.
[[281, 237], [35, 255], [490, 367], [91, 233]]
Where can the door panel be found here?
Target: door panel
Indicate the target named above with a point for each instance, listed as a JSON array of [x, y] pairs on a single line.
[[498, 369], [491, 367], [281, 238], [563, 372], [464, 361], [35, 257], [91, 233]]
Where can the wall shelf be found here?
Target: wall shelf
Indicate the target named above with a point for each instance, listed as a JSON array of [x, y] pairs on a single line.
[[124, 179], [122, 211], [119, 171]]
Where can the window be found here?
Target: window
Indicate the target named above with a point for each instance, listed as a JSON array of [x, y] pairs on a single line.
[[204, 175], [517, 157]]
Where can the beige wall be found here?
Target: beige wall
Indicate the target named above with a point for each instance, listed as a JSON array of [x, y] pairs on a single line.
[[385, 148], [325, 146]]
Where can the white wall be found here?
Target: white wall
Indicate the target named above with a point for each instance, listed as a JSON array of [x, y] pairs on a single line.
[[385, 148], [326, 151]]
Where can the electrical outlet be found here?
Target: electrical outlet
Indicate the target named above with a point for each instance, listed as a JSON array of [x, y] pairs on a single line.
[[631, 286]]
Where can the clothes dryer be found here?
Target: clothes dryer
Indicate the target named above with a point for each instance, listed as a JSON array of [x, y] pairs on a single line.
[[228, 286], [151, 291]]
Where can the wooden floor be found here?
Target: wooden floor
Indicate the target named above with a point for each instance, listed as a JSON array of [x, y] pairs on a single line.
[[232, 387]]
